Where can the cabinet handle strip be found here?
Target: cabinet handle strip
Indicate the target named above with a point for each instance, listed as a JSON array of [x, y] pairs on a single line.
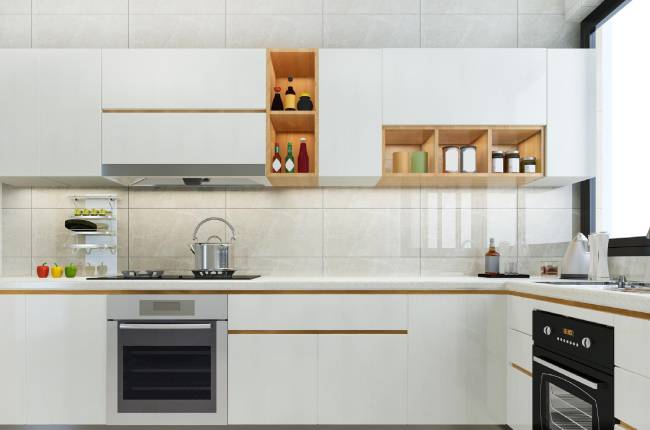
[[177, 110], [317, 331], [626, 426], [522, 370]]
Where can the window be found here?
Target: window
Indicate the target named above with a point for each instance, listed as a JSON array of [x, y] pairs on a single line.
[[617, 30]]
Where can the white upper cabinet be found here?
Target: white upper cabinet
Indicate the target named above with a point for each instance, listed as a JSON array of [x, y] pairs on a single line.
[[350, 104], [66, 359], [571, 129], [70, 118], [464, 86], [18, 113], [184, 79], [12, 359]]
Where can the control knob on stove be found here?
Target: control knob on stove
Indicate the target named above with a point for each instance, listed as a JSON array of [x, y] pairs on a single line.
[[586, 342], [548, 330]]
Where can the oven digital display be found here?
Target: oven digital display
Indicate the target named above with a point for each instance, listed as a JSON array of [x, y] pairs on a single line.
[[568, 332]]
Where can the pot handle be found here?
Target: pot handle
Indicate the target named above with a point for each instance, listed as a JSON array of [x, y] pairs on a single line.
[[214, 236], [213, 218]]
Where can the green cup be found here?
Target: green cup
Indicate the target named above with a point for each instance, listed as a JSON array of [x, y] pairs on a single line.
[[419, 162]]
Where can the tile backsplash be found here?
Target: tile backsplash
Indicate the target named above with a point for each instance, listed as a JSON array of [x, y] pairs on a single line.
[[302, 231]]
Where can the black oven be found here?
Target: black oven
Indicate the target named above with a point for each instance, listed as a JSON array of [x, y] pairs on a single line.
[[573, 374]]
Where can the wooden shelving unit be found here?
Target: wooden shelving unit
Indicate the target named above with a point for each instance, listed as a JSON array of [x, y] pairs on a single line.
[[433, 139], [289, 126]]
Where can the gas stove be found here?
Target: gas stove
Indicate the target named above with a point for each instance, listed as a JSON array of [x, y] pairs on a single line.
[[152, 275]]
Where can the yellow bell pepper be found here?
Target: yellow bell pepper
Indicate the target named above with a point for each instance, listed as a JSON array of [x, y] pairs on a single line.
[[57, 271]]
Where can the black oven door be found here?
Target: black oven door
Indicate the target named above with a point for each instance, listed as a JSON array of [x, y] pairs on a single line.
[[568, 395]]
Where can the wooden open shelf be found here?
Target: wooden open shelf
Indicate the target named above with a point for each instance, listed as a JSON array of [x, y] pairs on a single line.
[[433, 139], [289, 126]]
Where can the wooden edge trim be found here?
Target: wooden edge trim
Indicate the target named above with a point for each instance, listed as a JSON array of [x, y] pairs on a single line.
[[175, 110], [317, 331], [625, 425], [522, 370], [259, 292]]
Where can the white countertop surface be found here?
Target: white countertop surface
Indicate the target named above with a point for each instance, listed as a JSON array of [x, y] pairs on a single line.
[[594, 295]]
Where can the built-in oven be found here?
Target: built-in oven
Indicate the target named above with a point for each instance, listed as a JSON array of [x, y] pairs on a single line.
[[573, 374], [167, 359]]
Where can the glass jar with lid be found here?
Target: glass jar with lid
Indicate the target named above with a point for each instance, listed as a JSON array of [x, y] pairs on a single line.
[[529, 164], [512, 161], [497, 161]]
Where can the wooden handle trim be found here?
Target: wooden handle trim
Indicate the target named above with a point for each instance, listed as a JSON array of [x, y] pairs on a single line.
[[522, 370], [402, 332], [180, 110], [625, 425]]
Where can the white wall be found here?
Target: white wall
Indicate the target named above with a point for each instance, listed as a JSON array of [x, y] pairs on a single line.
[[285, 23]]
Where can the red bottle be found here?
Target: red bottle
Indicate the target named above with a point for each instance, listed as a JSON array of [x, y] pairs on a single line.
[[303, 157]]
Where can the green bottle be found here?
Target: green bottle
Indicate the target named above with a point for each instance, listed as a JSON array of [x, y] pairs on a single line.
[[289, 164]]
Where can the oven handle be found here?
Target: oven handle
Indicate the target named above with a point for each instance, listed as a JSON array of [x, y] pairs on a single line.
[[163, 326], [591, 384]]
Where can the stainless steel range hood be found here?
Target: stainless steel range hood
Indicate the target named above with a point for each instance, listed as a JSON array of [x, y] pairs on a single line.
[[186, 175]]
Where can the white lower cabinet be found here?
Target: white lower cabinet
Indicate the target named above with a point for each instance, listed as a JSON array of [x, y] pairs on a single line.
[[12, 360], [362, 379], [520, 400], [631, 394], [66, 359], [272, 379]]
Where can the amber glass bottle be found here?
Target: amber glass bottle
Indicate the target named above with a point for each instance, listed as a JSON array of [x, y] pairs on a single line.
[[492, 260]]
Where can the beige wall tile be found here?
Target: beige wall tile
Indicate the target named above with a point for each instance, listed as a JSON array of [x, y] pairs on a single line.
[[91, 7], [168, 232], [170, 199], [546, 232], [364, 267], [171, 265], [80, 31], [377, 198], [61, 198], [278, 31], [279, 7], [372, 6], [278, 232], [15, 6], [18, 266], [16, 197], [452, 266], [469, 31], [469, 198], [547, 31], [549, 198], [291, 198], [372, 31], [283, 266], [541, 6], [177, 31], [372, 232], [16, 232], [15, 31], [466, 232], [469, 6], [177, 6], [633, 268]]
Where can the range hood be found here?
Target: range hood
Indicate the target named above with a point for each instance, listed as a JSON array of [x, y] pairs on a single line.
[[186, 175]]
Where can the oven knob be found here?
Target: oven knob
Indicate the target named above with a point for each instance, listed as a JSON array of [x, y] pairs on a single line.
[[548, 330], [586, 342]]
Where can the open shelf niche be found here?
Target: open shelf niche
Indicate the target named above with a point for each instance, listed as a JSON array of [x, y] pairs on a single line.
[[283, 127], [529, 141]]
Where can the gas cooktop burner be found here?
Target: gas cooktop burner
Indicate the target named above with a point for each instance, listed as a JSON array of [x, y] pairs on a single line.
[[175, 278]]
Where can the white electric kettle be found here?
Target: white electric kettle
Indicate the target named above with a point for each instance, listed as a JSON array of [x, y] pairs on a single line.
[[575, 264]]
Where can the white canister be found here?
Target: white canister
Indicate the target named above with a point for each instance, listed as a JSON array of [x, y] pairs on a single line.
[[598, 263], [497, 161], [512, 161], [468, 159], [451, 158]]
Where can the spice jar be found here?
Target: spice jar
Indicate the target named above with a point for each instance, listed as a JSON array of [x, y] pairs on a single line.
[[512, 161], [451, 158], [529, 164], [468, 159], [305, 103], [497, 161]]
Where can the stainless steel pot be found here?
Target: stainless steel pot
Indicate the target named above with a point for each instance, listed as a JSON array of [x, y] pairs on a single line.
[[211, 255]]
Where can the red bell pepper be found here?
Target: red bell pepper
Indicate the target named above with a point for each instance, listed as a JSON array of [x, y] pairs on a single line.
[[42, 271]]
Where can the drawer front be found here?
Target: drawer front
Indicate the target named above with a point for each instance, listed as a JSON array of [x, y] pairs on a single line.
[[631, 393], [183, 138], [183, 79], [520, 350], [520, 400], [320, 312], [632, 344]]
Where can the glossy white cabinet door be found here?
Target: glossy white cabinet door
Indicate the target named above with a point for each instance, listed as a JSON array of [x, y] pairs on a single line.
[[571, 130], [12, 360], [362, 379], [66, 359], [184, 78], [272, 379], [631, 398], [69, 119], [350, 112], [19, 155], [184, 138], [632, 344], [464, 86], [520, 349], [520, 400]]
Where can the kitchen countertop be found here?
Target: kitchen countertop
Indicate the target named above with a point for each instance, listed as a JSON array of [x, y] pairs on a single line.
[[585, 296]]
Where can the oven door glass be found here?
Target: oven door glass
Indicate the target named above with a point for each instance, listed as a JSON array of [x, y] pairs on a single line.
[[568, 411], [166, 366]]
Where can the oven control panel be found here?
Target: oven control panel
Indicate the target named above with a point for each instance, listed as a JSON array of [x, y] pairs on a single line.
[[574, 338]]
